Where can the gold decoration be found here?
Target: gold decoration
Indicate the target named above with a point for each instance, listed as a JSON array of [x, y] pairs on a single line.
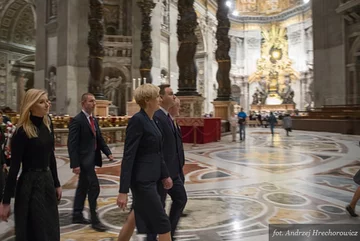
[[274, 64], [62, 122]]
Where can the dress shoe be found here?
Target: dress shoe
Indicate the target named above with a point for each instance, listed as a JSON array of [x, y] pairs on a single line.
[[184, 215], [99, 227], [80, 220], [351, 211]]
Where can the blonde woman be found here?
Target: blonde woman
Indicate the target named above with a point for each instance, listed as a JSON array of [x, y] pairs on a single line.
[[38, 188], [142, 167]]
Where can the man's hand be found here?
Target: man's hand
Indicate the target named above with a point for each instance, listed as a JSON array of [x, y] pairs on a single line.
[[4, 166], [111, 158], [122, 200], [5, 212], [76, 170], [58, 193], [168, 183]]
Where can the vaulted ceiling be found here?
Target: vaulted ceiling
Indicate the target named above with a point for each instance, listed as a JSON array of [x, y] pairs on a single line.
[[17, 22]]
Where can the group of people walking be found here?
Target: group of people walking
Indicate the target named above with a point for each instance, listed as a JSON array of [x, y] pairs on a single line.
[[152, 167], [239, 120]]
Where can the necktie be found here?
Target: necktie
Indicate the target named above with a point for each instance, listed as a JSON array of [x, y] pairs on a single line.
[[92, 124], [176, 125], [171, 122]]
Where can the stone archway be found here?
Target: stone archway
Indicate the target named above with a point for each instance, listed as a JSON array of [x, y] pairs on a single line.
[[18, 24], [17, 37]]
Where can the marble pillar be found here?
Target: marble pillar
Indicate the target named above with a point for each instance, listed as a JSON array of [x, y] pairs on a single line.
[[173, 47], [72, 55], [245, 92], [303, 88], [41, 44], [146, 7], [20, 81], [353, 85], [186, 25], [136, 41], [222, 52], [223, 59], [329, 53], [96, 47]]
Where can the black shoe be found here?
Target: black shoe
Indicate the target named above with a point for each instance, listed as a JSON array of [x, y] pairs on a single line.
[[351, 211], [80, 220], [184, 215], [99, 227]]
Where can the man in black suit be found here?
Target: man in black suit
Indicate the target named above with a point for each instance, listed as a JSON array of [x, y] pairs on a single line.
[[172, 151], [84, 145]]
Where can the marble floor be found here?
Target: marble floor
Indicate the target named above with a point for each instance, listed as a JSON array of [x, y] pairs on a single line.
[[235, 189]]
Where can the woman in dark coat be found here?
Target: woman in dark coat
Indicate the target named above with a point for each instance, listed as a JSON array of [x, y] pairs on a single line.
[[38, 188], [142, 167]]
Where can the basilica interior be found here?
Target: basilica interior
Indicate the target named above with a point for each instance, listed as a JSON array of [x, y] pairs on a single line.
[[296, 57]]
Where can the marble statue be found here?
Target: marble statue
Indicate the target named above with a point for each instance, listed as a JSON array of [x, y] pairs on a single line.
[[309, 98], [164, 13], [262, 90], [287, 93], [110, 88], [256, 97], [52, 86]]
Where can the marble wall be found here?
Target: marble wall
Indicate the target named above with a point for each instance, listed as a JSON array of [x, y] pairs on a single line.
[[62, 44], [329, 53]]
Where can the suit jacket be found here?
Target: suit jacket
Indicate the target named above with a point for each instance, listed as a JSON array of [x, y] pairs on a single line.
[[81, 142], [170, 144], [180, 146], [142, 160], [2, 141]]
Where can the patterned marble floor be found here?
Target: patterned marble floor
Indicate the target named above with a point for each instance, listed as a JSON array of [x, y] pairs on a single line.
[[236, 189]]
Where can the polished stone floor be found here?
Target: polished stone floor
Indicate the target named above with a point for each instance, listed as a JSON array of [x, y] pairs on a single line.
[[235, 189]]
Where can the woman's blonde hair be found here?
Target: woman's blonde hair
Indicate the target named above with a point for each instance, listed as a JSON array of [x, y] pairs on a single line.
[[30, 98], [145, 93]]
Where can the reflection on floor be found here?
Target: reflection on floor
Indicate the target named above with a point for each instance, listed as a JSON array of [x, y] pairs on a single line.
[[236, 189]]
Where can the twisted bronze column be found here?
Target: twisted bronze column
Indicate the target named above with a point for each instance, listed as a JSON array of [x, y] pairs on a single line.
[[222, 52], [96, 47], [146, 7], [188, 41]]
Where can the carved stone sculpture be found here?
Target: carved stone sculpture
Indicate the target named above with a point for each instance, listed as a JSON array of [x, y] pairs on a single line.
[[111, 87], [96, 48], [222, 52], [146, 7], [188, 41], [287, 94], [52, 86], [256, 98]]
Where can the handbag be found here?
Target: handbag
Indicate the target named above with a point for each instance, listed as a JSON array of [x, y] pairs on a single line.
[[241, 121], [356, 177]]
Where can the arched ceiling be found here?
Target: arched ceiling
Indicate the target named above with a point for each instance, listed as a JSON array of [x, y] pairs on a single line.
[[265, 7], [17, 22]]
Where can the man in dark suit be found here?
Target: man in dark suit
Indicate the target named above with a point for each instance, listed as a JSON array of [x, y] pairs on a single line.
[[174, 112], [172, 151], [84, 145]]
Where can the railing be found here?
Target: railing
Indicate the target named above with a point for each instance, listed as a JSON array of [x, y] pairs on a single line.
[[118, 46], [112, 128], [112, 135]]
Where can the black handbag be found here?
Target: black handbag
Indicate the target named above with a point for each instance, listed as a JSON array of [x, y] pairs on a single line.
[[241, 121], [356, 178]]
